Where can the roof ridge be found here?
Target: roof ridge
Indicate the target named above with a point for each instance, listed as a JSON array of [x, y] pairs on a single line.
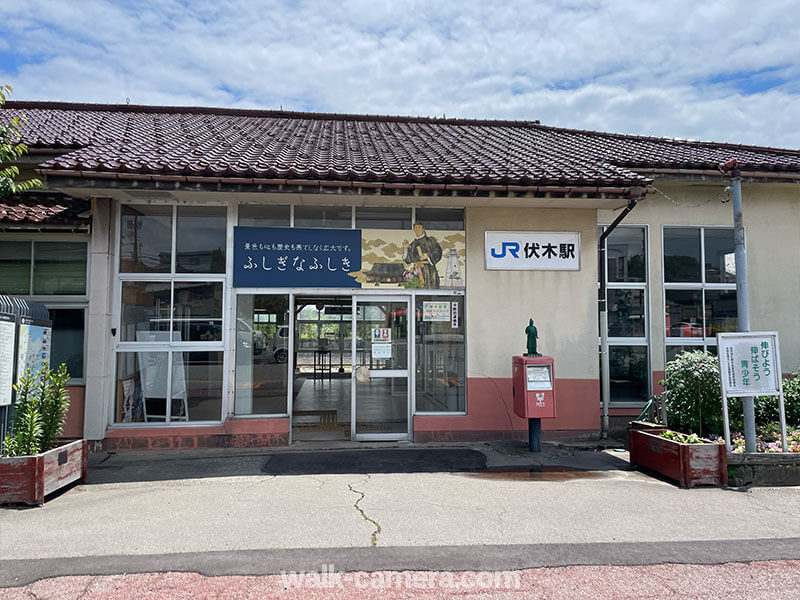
[[321, 116], [672, 140], [260, 112]]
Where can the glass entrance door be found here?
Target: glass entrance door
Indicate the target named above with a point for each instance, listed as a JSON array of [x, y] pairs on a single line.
[[381, 355]]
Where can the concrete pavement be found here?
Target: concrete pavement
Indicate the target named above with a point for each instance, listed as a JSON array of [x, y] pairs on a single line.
[[486, 507]]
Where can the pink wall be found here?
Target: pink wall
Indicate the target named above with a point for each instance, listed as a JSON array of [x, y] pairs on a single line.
[[490, 409], [73, 428], [657, 387], [234, 433]]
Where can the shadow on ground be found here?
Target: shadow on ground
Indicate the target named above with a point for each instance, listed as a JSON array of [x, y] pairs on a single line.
[[490, 460]]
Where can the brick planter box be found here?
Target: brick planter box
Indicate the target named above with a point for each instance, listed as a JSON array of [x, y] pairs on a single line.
[[28, 479], [689, 464]]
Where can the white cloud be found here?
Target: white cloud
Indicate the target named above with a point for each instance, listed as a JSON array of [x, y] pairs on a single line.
[[682, 68]]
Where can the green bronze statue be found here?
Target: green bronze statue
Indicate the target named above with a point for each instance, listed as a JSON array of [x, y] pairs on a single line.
[[532, 334]]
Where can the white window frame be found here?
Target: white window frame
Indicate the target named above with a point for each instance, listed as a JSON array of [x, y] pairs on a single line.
[[640, 341], [228, 343], [58, 301], [170, 346], [704, 342]]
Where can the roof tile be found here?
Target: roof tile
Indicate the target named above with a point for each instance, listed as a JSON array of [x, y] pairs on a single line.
[[44, 209], [271, 144]]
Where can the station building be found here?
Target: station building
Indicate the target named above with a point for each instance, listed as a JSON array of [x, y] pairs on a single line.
[[242, 278]]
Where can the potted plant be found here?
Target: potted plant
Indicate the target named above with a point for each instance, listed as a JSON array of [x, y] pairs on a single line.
[[693, 404], [36, 463], [688, 458]]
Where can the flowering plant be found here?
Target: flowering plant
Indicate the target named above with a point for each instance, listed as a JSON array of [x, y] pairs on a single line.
[[686, 438], [411, 279], [768, 441]]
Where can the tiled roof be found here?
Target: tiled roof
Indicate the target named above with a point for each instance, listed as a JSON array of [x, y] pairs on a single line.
[[44, 209], [280, 145]]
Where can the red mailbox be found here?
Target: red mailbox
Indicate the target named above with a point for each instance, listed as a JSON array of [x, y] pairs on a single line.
[[533, 380]]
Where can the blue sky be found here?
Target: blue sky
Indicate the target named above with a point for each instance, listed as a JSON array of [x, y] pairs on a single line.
[[724, 71]]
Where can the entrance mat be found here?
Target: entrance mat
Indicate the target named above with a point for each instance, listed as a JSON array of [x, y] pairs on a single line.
[[319, 419], [430, 460]]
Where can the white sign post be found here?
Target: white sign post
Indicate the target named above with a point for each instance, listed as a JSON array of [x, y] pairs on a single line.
[[749, 365]]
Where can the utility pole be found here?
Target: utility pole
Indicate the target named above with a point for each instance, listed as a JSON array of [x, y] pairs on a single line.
[[742, 300]]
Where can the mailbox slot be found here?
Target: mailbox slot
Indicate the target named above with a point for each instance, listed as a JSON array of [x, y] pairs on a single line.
[[538, 377]]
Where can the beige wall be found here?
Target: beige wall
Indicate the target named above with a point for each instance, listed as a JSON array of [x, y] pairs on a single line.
[[771, 214], [100, 360], [562, 303]]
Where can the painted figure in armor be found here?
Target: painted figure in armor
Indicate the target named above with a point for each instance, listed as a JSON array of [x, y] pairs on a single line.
[[423, 252]]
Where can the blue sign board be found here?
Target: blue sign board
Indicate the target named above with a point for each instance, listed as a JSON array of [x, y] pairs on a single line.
[[295, 257]]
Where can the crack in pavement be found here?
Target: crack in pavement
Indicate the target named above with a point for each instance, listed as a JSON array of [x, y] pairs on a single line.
[[377, 531], [260, 481], [85, 591]]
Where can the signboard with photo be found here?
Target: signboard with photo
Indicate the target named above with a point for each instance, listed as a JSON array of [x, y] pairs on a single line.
[[349, 258], [33, 351]]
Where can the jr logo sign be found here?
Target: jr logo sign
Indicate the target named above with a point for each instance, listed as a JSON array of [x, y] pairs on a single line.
[[511, 247], [529, 250]]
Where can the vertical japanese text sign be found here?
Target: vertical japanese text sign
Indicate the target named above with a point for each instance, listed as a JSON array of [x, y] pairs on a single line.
[[749, 365], [295, 257]]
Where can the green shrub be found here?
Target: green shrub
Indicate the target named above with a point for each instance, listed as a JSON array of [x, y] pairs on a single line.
[[40, 411], [768, 409], [692, 395]]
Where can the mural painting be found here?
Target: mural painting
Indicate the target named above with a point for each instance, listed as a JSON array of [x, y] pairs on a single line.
[[416, 259]]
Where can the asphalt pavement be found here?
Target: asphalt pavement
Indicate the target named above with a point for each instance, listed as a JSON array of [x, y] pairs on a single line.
[[375, 508]]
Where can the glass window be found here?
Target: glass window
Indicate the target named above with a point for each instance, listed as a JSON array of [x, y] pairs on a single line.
[[440, 356], [145, 311], [628, 370], [626, 293], [383, 218], [684, 313], [334, 217], [721, 313], [263, 215], [682, 254], [625, 254], [59, 268], [673, 351], [200, 239], [625, 312], [197, 312], [67, 341], [262, 349], [196, 386], [143, 380], [701, 312], [441, 218], [146, 239], [388, 315], [141, 387], [171, 385], [719, 256], [15, 267]]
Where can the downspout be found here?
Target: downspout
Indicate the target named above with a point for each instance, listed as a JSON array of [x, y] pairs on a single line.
[[605, 391]]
